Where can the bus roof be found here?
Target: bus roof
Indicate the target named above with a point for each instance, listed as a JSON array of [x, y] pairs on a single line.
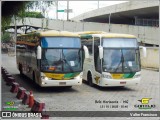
[[50, 33], [115, 35], [58, 33], [89, 34]]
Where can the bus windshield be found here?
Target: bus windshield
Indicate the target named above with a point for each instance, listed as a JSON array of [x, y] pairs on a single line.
[[120, 42], [121, 60], [61, 60], [60, 42]]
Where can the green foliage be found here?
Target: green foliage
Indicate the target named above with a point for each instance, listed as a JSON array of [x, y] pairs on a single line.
[[19, 9], [6, 37], [8, 12], [34, 14]]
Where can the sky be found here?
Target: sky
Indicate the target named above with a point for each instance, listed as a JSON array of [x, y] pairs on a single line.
[[78, 7]]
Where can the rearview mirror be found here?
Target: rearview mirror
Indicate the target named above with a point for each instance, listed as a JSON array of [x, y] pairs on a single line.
[[144, 51], [100, 52], [39, 51], [86, 51]]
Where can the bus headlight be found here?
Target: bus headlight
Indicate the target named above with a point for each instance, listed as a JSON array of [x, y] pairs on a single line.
[[106, 76], [81, 76], [44, 77], [78, 77], [137, 76]]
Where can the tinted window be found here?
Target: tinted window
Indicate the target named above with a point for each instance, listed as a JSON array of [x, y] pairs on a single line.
[[120, 42], [61, 42]]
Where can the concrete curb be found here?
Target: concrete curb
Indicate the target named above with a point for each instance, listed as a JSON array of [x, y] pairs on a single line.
[[22, 94]]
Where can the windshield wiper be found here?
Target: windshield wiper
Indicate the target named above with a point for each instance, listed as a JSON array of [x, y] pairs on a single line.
[[64, 59], [121, 61]]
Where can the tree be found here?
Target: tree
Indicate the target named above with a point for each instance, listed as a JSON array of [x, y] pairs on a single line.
[[6, 37], [34, 14], [19, 9]]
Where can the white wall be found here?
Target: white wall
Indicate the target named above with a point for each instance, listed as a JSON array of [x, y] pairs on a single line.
[[145, 34], [152, 58]]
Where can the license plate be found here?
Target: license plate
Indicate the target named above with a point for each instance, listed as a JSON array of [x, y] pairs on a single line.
[[62, 83], [122, 82]]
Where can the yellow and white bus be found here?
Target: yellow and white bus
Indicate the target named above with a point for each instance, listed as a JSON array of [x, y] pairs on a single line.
[[50, 58], [112, 59]]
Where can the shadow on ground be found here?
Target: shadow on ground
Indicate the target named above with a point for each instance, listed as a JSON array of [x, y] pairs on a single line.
[[120, 88], [30, 85]]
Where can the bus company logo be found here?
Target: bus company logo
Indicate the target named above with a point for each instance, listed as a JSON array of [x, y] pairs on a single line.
[[10, 106], [10, 103], [145, 100], [145, 104]]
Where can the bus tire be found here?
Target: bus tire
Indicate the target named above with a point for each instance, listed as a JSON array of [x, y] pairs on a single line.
[[89, 79], [33, 76], [68, 87], [34, 80], [20, 70]]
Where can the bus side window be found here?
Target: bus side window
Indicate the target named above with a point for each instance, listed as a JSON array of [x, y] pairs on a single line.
[[89, 46], [89, 49], [97, 60]]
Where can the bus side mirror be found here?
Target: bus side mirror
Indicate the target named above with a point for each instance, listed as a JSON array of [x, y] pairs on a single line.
[[100, 52], [39, 51], [144, 51], [86, 51]]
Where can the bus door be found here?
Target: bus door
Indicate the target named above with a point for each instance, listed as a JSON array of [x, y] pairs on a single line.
[[97, 60]]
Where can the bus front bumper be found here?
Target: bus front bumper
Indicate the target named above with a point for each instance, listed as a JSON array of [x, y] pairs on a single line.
[[52, 83], [119, 82]]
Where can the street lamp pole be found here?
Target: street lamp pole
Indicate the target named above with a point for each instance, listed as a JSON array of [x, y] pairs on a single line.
[[109, 22], [98, 4], [15, 32], [67, 10], [56, 10]]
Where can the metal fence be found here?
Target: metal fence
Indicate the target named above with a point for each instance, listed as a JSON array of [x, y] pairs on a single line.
[[147, 22]]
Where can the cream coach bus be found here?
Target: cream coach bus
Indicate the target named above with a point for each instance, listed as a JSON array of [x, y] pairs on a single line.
[[112, 59], [50, 58]]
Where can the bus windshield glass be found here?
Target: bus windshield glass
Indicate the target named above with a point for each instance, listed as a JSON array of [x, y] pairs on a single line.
[[119, 42], [61, 60], [60, 42], [121, 60]]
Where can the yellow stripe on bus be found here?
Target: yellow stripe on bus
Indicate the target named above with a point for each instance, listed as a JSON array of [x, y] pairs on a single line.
[[55, 76], [117, 76]]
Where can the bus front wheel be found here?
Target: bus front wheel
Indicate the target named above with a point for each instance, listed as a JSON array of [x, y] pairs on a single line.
[[89, 79], [34, 80]]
